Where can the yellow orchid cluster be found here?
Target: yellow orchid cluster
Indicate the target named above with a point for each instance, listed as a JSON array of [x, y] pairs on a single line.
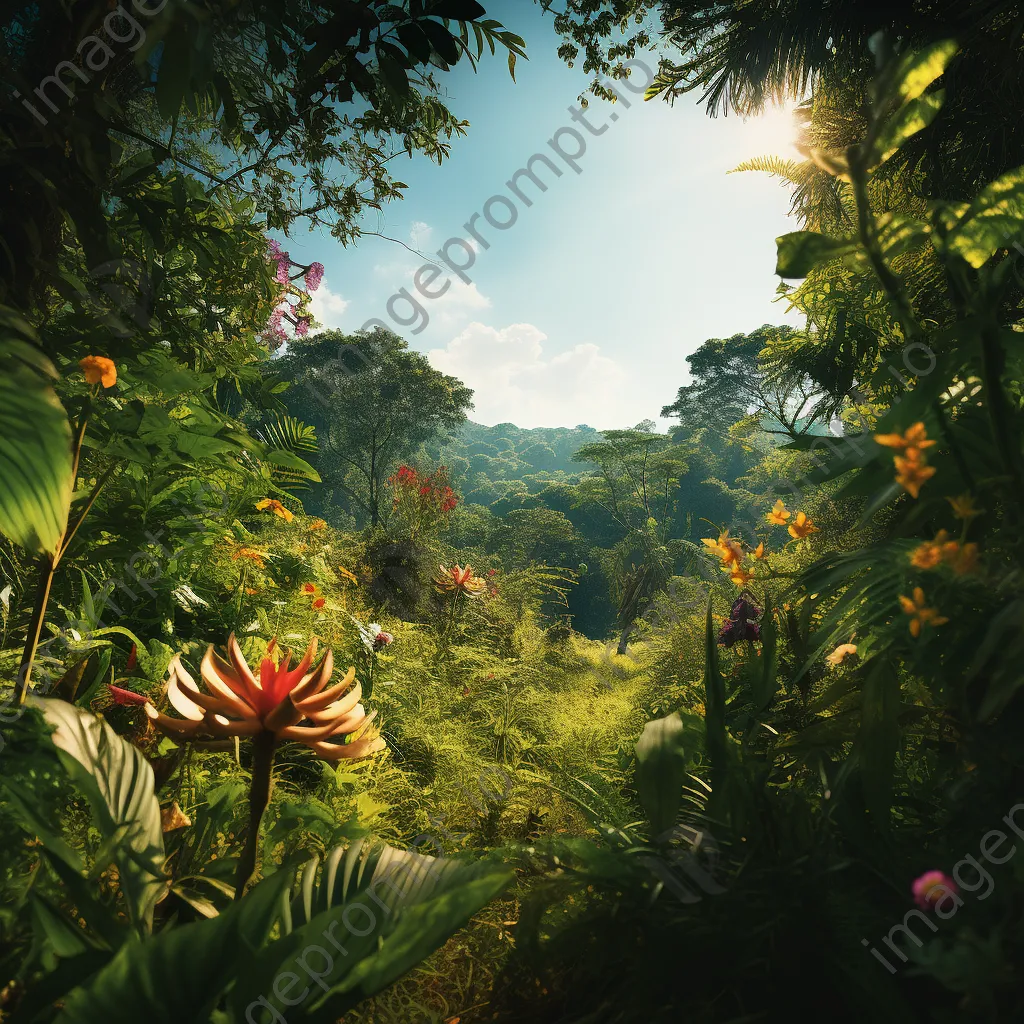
[[920, 614], [912, 469], [961, 558], [731, 551], [802, 525]]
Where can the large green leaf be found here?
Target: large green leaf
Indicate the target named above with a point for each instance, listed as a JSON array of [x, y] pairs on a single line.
[[118, 782], [181, 973], [714, 707], [995, 217], [387, 908], [800, 252], [661, 760], [35, 443], [878, 739]]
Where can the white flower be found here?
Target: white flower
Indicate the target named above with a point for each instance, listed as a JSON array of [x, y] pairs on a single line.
[[188, 599]]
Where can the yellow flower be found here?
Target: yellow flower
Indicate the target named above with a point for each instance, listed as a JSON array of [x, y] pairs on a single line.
[[930, 553], [758, 552], [738, 575], [99, 370], [726, 548], [778, 514], [458, 580], [964, 508], [920, 614], [914, 439], [841, 653], [273, 505], [912, 471], [345, 574], [802, 526]]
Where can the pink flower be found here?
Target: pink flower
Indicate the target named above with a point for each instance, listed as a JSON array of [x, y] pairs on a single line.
[[274, 248], [933, 889], [302, 327], [314, 276], [284, 263], [275, 319]]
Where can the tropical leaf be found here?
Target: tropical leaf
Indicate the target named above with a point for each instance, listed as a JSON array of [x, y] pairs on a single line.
[[35, 463], [118, 782], [661, 761], [385, 908]]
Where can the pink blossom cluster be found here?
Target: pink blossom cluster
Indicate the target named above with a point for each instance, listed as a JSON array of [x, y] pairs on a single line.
[[314, 276]]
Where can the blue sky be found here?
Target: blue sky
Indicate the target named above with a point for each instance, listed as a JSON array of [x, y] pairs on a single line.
[[584, 310]]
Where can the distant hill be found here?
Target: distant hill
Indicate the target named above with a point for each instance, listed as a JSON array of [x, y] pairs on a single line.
[[509, 462]]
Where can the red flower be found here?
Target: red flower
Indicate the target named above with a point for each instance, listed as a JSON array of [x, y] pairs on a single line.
[[319, 603], [133, 660], [308, 588], [425, 490]]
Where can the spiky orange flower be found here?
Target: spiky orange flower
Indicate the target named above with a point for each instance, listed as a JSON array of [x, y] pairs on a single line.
[[99, 370], [458, 580], [778, 514], [919, 612], [273, 505], [291, 703], [802, 526]]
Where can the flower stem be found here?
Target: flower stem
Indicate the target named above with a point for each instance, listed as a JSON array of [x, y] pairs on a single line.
[[259, 796]]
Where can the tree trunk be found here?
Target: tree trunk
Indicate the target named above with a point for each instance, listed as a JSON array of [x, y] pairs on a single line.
[[624, 639]]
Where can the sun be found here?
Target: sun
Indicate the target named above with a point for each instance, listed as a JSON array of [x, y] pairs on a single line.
[[773, 133]]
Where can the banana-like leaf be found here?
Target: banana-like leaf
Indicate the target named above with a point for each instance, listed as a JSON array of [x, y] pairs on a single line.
[[180, 974], [35, 443], [118, 782], [373, 915]]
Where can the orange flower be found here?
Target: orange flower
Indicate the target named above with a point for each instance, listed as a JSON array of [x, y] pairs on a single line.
[[841, 653], [912, 440], [319, 603], [457, 580], [273, 505], [308, 588], [932, 552], [778, 514], [99, 370], [317, 524], [964, 560], [802, 526], [758, 552], [291, 703], [964, 507], [920, 614], [738, 575], [912, 471], [254, 556], [726, 548]]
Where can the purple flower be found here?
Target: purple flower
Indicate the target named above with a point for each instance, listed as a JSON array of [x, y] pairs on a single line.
[[274, 248], [314, 276]]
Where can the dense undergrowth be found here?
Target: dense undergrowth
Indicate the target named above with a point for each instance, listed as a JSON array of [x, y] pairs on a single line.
[[722, 722]]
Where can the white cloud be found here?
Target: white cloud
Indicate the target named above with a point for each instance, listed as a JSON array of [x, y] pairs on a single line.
[[420, 234], [327, 307], [515, 382]]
